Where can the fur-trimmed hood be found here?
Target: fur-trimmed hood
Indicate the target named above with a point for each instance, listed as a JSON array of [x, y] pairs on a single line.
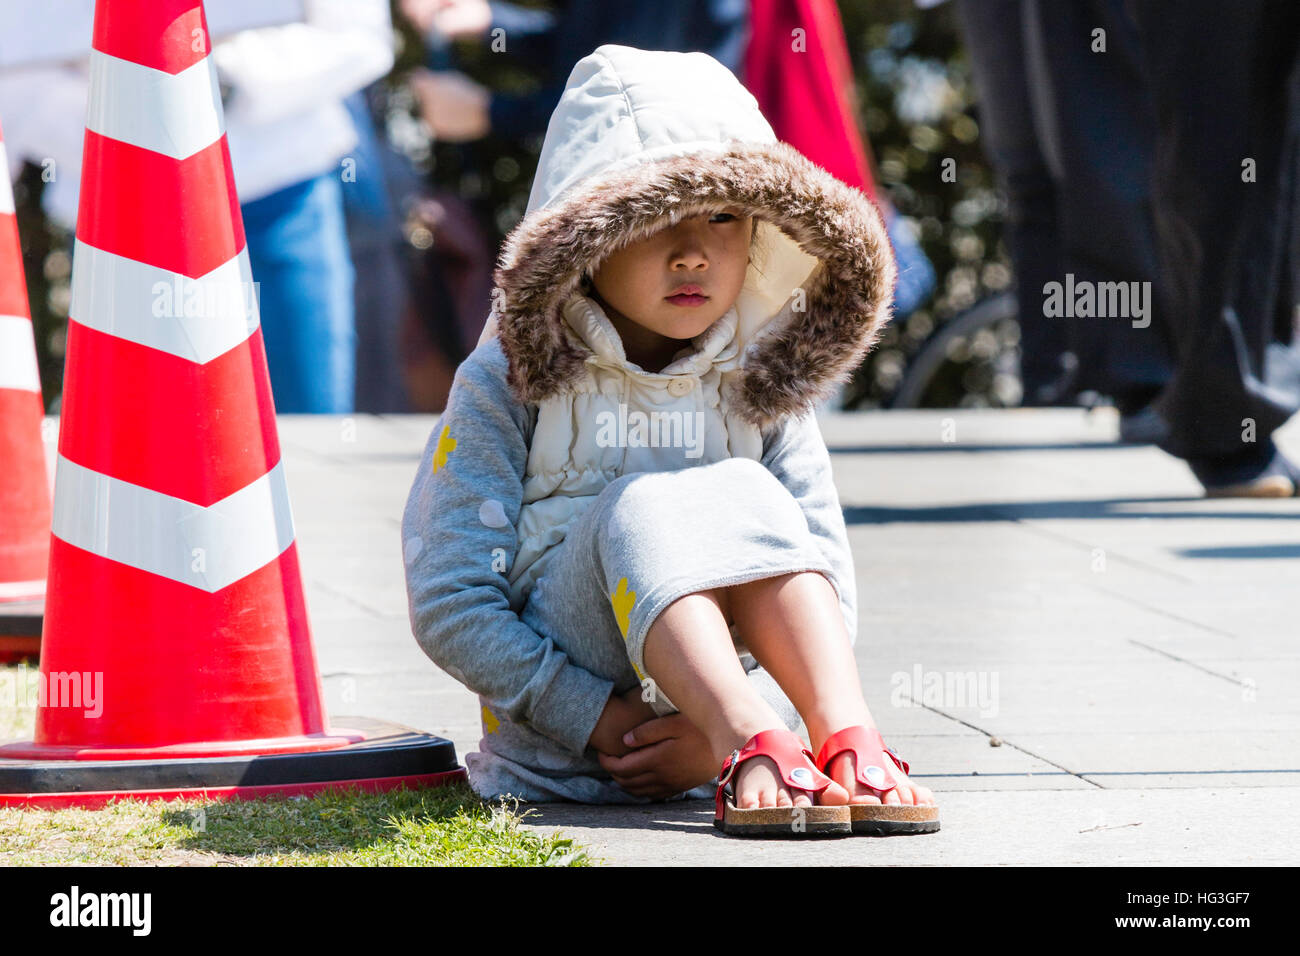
[[642, 139]]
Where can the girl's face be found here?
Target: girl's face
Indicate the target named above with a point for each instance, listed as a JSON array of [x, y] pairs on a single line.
[[708, 254]]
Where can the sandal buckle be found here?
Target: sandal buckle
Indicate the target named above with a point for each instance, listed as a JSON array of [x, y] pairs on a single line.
[[730, 768]]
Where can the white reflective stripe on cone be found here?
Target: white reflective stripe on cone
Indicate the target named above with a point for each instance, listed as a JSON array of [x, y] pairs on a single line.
[[18, 354], [10, 590], [195, 319], [183, 111], [208, 548], [6, 187]]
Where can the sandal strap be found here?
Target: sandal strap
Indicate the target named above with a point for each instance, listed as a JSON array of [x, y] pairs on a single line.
[[785, 748], [869, 753]]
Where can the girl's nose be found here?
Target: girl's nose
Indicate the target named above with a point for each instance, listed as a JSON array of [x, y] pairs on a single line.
[[692, 257], [688, 247]]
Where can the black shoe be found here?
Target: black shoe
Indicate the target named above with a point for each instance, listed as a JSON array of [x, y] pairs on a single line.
[[1255, 475], [1142, 428]]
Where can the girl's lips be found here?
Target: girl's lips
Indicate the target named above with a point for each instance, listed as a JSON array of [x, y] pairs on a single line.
[[688, 300]]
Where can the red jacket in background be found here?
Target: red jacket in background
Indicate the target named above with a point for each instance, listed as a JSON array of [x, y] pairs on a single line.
[[807, 93]]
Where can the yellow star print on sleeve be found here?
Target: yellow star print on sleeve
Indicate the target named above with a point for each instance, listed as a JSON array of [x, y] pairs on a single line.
[[445, 446], [622, 600]]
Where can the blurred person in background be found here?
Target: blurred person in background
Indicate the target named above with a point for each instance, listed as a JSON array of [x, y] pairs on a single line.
[[1159, 141], [289, 133], [371, 200], [1068, 129], [1225, 88]]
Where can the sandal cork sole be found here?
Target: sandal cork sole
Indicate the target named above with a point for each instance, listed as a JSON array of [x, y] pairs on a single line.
[[874, 819], [791, 822]]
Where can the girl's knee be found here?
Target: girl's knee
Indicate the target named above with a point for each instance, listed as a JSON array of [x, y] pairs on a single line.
[[632, 504], [666, 508], [755, 476]]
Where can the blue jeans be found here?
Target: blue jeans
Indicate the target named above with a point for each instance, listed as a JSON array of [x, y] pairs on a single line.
[[297, 244]]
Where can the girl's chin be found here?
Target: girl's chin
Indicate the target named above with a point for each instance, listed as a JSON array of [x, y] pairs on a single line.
[[686, 324]]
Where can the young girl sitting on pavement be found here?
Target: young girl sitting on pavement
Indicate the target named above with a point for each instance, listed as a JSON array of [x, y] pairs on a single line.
[[624, 535]]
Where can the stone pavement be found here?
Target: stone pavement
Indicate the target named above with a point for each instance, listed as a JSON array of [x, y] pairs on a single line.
[[1088, 663]]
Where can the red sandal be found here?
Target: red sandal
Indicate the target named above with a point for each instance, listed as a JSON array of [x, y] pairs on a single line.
[[873, 770], [796, 766]]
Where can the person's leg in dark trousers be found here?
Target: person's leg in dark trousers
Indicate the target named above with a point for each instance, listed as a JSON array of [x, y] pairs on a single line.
[[1094, 118], [1223, 87], [381, 290], [992, 35]]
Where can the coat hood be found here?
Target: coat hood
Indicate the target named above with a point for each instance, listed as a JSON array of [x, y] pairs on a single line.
[[642, 139]]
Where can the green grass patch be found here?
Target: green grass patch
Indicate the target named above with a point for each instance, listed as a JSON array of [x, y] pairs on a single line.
[[18, 683], [437, 826]]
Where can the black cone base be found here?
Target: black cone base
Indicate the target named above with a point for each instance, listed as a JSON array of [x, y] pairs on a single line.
[[391, 756]]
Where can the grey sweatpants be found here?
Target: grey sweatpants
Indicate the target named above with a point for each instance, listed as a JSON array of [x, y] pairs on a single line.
[[646, 540]]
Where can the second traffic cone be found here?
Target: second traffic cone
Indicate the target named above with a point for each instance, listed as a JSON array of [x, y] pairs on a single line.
[[175, 615], [24, 483]]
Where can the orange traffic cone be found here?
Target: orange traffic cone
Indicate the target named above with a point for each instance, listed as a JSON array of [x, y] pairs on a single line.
[[24, 484], [177, 658]]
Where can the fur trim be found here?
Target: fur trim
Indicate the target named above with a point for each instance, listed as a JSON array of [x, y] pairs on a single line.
[[848, 295]]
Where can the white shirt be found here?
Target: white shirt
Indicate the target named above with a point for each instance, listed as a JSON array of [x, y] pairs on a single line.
[[286, 121]]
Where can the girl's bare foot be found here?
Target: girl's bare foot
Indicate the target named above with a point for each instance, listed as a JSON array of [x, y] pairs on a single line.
[[758, 783], [843, 770]]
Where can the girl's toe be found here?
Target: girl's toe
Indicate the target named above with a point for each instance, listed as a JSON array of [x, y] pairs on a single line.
[[834, 796]]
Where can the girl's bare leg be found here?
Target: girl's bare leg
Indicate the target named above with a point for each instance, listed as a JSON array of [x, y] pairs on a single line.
[[690, 655], [793, 626]]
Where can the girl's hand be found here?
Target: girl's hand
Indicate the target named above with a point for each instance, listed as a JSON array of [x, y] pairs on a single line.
[[669, 755], [622, 713], [638, 707]]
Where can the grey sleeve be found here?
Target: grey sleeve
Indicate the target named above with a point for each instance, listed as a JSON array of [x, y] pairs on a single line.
[[459, 547], [796, 453]]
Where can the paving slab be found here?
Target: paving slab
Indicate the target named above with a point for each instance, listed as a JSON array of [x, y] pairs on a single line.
[[1216, 826], [1112, 660]]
